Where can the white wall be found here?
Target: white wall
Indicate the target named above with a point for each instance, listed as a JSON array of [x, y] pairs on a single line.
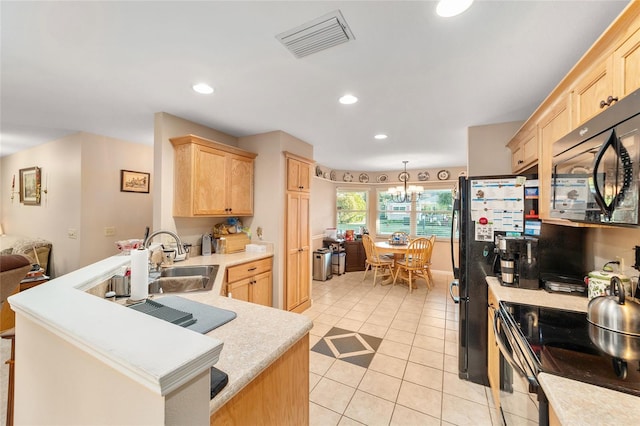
[[81, 174], [487, 150], [269, 190]]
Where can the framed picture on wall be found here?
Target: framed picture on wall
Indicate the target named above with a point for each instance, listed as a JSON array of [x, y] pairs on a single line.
[[131, 181], [30, 186]]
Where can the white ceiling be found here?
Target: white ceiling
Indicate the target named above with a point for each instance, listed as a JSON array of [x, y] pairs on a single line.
[[107, 67]]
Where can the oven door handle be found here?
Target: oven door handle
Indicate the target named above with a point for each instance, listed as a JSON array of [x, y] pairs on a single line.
[[505, 352]]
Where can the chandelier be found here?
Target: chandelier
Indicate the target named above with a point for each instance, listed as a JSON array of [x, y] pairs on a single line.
[[404, 193]]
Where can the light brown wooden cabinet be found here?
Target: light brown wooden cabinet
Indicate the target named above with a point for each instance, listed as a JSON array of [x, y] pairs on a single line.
[[298, 261], [611, 67], [297, 279], [278, 396], [626, 65], [298, 175], [524, 150], [591, 92], [211, 179], [552, 126], [251, 282], [493, 353]]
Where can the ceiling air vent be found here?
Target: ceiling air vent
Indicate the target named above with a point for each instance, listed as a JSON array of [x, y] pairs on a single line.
[[320, 34]]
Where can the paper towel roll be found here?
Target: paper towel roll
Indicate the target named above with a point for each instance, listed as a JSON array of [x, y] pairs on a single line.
[[139, 274]]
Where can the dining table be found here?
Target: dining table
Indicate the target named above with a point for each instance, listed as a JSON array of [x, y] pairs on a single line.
[[397, 250]]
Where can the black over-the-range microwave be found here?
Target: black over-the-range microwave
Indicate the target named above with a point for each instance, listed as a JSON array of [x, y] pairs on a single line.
[[596, 168]]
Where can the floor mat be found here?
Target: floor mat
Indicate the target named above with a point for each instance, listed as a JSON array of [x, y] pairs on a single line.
[[349, 346]]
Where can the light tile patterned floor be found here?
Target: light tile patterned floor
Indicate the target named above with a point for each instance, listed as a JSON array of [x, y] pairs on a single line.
[[412, 379]]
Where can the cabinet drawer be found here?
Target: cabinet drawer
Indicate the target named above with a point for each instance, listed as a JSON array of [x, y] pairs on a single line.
[[250, 269]]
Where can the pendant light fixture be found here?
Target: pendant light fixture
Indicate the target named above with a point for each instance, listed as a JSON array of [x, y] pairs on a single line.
[[404, 193]]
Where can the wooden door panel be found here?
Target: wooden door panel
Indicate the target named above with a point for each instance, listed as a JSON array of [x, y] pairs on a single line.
[[209, 182]]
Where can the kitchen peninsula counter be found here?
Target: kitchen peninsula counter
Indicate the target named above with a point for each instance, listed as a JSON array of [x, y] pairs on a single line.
[[109, 355], [572, 402], [256, 338]]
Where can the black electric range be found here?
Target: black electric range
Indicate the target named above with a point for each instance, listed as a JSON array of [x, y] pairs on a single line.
[[560, 344]]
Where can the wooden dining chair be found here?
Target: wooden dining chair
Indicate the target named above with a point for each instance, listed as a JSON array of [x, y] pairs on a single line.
[[415, 260], [427, 266], [374, 260]]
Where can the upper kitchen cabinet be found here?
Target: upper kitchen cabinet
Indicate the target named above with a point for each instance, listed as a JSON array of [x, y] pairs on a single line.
[[524, 149], [298, 175], [593, 92], [211, 179], [554, 124], [611, 77], [626, 65]]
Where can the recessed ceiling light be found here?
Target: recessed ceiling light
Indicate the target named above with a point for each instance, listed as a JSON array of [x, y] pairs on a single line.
[[203, 88], [380, 136], [348, 99], [449, 8]]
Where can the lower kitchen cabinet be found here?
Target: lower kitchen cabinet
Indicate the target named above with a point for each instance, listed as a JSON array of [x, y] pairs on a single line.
[[355, 256], [493, 353], [251, 282], [278, 396]]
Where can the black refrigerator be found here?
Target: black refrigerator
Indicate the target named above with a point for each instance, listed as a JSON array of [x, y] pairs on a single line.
[[507, 205]]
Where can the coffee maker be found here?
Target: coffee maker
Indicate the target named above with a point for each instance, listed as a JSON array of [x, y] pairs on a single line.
[[517, 261]]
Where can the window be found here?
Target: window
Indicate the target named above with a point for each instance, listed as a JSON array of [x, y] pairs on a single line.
[[434, 213], [392, 216], [430, 215], [352, 208]]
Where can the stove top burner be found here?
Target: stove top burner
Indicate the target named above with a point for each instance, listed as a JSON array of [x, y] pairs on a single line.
[[561, 345]]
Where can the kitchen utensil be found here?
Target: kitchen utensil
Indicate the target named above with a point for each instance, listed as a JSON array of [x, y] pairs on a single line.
[[613, 313]]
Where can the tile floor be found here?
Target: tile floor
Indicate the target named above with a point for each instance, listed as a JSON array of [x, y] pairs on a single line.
[[412, 378]]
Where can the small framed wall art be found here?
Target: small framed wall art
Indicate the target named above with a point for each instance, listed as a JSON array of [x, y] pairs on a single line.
[[30, 186], [131, 181]]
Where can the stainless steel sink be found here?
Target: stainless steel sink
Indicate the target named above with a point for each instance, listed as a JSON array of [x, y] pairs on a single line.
[[181, 279]]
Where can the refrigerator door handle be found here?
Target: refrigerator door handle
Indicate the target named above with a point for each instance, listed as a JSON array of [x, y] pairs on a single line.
[[454, 283], [455, 217]]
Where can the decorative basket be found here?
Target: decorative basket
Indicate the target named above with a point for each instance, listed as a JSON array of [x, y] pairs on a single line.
[[399, 239]]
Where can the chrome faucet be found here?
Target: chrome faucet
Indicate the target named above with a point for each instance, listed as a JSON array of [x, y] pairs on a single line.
[[180, 254]]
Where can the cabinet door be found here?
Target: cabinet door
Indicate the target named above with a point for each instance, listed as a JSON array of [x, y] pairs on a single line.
[[626, 66], [591, 89], [305, 177], [517, 158], [209, 182], [298, 175], [240, 289], [304, 278], [551, 127], [240, 199], [261, 289], [298, 277]]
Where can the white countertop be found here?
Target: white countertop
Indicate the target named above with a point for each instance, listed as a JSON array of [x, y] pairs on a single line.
[[538, 297], [252, 341], [575, 403], [127, 340]]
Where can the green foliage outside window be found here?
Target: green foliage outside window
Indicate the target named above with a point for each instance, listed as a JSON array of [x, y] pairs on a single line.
[[352, 210]]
